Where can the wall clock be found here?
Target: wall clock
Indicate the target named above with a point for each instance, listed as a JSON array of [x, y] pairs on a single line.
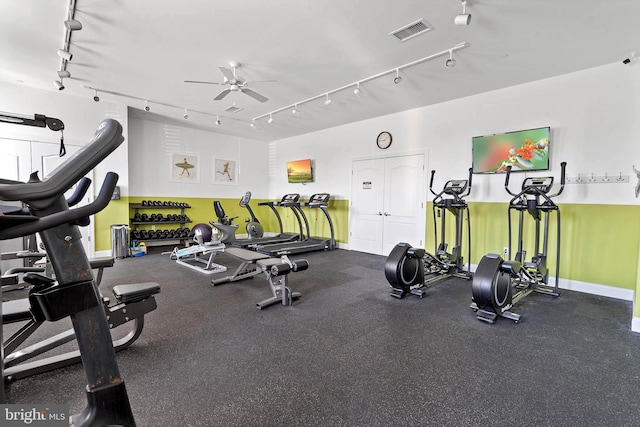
[[384, 140]]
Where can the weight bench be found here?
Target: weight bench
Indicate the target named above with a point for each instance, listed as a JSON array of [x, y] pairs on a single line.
[[246, 269], [277, 271], [133, 301], [195, 257]]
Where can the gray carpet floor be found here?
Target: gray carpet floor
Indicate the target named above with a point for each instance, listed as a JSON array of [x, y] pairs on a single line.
[[347, 354]]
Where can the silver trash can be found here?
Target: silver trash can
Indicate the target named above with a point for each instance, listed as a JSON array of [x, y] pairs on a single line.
[[120, 241]]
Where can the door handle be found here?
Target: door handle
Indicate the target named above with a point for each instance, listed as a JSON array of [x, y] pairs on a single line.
[[379, 213], [387, 214]]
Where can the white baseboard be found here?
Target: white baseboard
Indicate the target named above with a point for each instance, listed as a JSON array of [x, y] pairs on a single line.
[[100, 254], [635, 324], [589, 288]]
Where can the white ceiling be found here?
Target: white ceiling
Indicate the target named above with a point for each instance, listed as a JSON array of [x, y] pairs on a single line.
[[145, 49]]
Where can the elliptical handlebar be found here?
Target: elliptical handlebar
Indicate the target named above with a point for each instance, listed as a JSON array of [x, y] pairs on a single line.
[[433, 172], [563, 167], [468, 191], [506, 182]]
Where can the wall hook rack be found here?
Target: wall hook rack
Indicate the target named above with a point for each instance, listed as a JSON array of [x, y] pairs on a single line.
[[592, 178]]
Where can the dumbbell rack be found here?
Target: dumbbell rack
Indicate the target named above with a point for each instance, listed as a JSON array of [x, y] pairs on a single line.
[[137, 207]]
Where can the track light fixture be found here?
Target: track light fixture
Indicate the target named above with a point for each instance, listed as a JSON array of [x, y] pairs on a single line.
[[464, 18], [397, 79], [218, 122], [186, 114], [63, 74], [357, 90], [73, 25], [450, 63], [270, 119], [146, 106], [96, 97], [58, 84], [64, 54], [253, 124]]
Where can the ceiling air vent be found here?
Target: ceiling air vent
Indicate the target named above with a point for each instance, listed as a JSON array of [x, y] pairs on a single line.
[[412, 30], [232, 109]]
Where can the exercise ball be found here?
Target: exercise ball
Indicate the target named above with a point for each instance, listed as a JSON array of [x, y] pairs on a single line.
[[203, 230]]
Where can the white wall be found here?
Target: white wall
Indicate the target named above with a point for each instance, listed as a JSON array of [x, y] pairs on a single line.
[[593, 115], [151, 145], [81, 117]]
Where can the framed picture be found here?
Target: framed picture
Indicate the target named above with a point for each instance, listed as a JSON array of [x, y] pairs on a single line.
[[225, 171], [184, 168]]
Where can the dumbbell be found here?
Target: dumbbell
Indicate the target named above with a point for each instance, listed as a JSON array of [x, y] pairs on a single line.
[[144, 217], [137, 217], [144, 203]]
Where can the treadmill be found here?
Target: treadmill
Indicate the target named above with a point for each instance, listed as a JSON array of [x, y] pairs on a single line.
[[281, 237], [308, 244]]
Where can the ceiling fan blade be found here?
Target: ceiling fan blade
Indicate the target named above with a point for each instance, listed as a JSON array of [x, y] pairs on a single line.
[[228, 74], [261, 81], [222, 94], [254, 95], [196, 81]]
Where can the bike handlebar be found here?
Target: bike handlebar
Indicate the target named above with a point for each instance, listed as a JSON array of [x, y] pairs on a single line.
[[107, 138], [81, 190], [53, 220]]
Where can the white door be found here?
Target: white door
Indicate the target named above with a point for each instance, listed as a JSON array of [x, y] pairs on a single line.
[[387, 203]]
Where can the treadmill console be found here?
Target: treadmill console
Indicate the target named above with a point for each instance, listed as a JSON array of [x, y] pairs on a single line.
[[317, 200], [456, 187], [542, 184], [289, 199]]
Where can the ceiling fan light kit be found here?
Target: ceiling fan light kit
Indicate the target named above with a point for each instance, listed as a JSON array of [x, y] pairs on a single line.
[[234, 83]]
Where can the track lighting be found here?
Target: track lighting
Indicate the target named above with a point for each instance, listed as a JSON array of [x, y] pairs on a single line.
[[146, 106], [73, 25], [397, 79], [64, 54], [357, 91], [218, 122], [63, 74], [186, 114], [253, 124], [96, 97], [464, 18], [58, 84], [450, 63]]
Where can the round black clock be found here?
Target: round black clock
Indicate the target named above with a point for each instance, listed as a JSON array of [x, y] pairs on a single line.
[[384, 140]]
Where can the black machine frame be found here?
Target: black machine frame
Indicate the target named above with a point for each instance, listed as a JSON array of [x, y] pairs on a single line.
[[74, 294], [498, 284], [410, 270]]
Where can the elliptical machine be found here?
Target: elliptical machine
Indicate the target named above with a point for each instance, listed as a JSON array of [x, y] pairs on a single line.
[[408, 269], [497, 283]]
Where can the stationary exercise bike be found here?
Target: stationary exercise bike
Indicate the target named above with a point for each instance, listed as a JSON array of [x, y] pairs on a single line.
[[409, 269], [254, 228], [74, 293], [499, 284]]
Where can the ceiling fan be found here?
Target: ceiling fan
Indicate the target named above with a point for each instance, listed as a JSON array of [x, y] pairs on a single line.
[[234, 83]]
